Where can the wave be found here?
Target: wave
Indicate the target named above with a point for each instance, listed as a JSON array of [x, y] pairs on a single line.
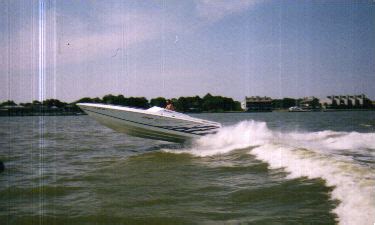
[[326, 154]]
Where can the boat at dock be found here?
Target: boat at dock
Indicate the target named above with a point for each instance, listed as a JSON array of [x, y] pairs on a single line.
[[298, 109]]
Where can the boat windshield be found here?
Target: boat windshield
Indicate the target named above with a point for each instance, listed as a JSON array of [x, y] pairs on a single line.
[[166, 112]]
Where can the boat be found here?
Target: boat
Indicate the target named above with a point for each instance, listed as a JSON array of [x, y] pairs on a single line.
[[298, 109], [153, 123]]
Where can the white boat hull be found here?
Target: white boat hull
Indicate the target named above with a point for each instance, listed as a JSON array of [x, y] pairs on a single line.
[[170, 126]]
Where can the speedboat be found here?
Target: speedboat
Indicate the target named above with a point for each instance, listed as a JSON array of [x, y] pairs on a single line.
[[153, 123], [298, 109]]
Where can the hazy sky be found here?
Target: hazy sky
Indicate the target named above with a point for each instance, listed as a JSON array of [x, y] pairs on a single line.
[[236, 48]]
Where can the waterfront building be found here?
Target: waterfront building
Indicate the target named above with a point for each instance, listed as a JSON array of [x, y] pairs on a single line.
[[257, 104], [348, 101]]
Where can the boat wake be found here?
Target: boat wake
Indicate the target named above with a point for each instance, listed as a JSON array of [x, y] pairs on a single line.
[[345, 160]]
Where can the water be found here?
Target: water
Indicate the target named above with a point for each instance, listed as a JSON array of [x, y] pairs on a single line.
[[261, 168]]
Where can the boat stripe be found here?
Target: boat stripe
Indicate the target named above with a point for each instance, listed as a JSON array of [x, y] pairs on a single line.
[[193, 128], [197, 129]]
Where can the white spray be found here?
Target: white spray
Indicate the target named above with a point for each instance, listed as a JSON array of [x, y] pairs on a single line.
[[312, 155]]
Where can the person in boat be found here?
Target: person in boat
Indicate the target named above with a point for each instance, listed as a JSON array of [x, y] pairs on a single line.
[[170, 105]]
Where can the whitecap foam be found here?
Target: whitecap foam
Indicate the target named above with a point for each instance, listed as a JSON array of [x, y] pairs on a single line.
[[308, 154], [354, 185], [331, 140]]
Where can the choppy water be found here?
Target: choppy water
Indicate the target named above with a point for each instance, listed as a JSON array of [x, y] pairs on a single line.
[[262, 168]]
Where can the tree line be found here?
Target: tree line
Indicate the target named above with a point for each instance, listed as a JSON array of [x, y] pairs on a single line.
[[286, 103], [208, 103], [191, 104]]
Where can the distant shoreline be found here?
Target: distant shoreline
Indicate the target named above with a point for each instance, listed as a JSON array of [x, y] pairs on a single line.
[[42, 114], [344, 110], [278, 110], [190, 104]]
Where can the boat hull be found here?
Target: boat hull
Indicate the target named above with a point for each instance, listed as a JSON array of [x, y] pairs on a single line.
[[136, 123]]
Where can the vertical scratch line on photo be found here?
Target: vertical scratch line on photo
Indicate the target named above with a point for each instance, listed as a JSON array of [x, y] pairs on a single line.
[[54, 24], [41, 96], [163, 53], [9, 46], [280, 54]]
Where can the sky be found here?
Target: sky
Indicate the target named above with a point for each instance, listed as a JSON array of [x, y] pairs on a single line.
[[171, 48]]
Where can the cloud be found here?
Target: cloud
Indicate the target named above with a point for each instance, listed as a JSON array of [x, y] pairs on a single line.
[[120, 31], [122, 34], [107, 31], [78, 35], [215, 10], [76, 39]]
